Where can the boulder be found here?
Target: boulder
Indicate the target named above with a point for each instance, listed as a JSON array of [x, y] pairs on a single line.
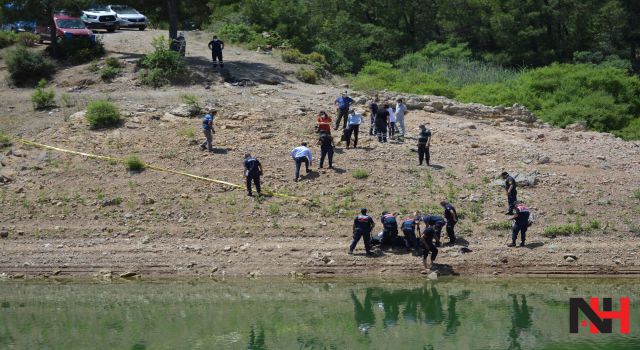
[[522, 180], [185, 111]]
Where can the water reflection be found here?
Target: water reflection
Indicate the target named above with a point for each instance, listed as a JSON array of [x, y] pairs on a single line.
[[256, 339], [520, 320]]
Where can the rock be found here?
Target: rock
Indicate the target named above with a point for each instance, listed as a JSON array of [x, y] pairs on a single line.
[[323, 223], [474, 145], [601, 157], [214, 270], [579, 126], [111, 201], [4, 233], [129, 274], [570, 256], [504, 260], [570, 259], [433, 275], [438, 106], [185, 111], [227, 248], [543, 159], [463, 126], [145, 240]]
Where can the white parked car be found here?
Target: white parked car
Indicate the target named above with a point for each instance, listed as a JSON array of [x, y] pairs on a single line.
[[100, 17], [128, 17]]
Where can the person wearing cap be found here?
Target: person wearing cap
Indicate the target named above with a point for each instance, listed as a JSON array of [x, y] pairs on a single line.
[[324, 123], [301, 154], [326, 148], [401, 111], [512, 192], [363, 224], [452, 218], [424, 140], [408, 227], [389, 229], [207, 129], [381, 121], [252, 172], [520, 225], [353, 128], [343, 103]]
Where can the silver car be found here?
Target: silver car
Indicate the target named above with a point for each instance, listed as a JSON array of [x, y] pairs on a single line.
[[128, 17]]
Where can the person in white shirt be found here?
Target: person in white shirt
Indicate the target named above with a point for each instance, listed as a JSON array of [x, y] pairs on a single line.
[[401, 111], [301, 154], [353, 128], [392, 122]]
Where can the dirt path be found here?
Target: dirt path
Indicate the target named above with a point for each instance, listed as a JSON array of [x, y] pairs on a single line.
[[66, 215]]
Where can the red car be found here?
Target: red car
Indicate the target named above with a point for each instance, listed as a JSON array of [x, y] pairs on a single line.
[[67, 27]]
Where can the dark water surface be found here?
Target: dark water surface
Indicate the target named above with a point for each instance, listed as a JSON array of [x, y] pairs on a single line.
[[316, 314]]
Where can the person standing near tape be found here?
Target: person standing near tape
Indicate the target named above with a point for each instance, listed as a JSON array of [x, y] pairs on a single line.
[[301, 154], [252, 171], [207, 129]]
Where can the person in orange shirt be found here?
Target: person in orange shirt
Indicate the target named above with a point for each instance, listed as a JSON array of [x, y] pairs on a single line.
[[324, 123]]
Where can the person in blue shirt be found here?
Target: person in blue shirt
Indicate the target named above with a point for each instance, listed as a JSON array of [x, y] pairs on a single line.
[[301, 154], [436, 222], [207, 129], [389, 230], [343, 103], [216, 46], [512, 192], [520, 225], [252, 172], [409, 230], [362, 226]]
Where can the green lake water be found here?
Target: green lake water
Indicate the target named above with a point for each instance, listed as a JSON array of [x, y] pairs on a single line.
[[308, 314]]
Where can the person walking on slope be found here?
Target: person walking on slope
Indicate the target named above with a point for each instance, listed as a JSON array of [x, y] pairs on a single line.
[[512, 192], [344, 104], [252, 172], [381, 122], [207, 129], [392, 121], [216, 46], [326, 148], [452, 218], [301, 154], [520, 225], [401, 111], [363, 224], [424, 140], [353, 128], [324, 123]]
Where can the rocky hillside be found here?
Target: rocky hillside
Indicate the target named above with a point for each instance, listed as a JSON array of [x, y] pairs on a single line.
[[69, 215]]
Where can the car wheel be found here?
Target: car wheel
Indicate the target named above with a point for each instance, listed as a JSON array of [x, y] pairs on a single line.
[[142, 28], [111, 30]]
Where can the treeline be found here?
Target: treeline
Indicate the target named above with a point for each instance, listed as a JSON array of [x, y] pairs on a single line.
[[514, 33]]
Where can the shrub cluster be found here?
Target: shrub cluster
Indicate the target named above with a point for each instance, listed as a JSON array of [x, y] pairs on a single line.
[[241, 33], [27, 67], [103, 114], [308, 76], [27, 39], [43, 98], [111, 69], [78, 51], [133, 163], [7, 38], [162, 66], [5, 141], [360, 173]]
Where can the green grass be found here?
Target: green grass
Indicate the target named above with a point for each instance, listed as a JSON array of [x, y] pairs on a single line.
[[103, 114], [360, 173], [274, 209], [636, 194], [43, 98], [107, 73], [5, 141], [133, 163], [567, 229], [192, 101], [500, 225]]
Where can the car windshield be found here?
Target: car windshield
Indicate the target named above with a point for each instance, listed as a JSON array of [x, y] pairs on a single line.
[[124, 10], [70, 24], [98, 8]]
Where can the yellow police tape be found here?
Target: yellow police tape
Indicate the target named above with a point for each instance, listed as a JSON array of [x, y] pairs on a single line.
[[149, 166]]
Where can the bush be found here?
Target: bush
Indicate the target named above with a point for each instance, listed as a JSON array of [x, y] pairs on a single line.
[[308, 76], [237, 33], [78, 51], [107, 73], [360, 173], [192, 102], [7, 38], [102, 114], [5, 141], [336, 61], [133, 163], [113, 62], [565, 230], [28, 39], [67, 100], [42, 98], [294, 56], [27, 67], [500, 225], [162, 65]]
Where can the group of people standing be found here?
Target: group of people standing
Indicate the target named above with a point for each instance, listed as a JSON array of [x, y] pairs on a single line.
[[387, 121], [423, 243]]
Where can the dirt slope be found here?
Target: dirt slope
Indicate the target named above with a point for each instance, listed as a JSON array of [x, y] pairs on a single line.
[[72, 216]]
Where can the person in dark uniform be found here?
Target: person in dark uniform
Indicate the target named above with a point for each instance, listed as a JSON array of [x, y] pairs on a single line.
[[520, 225], [409, 230], [381, 122], [389, 232], [362, 226], [512, 192], [426, 241], [436, 222], [424, 141], [216, 46], [252, 171], [452, 218], [373, 108], [326, 148]]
